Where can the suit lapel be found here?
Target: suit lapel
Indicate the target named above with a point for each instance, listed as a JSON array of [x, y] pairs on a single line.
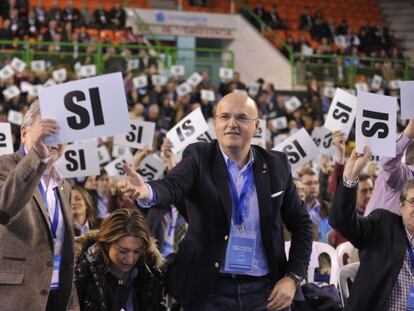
[[263, 190], [42, 207], [221, 180]]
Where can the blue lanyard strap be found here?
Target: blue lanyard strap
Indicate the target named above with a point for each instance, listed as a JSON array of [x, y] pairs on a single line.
[[240, 202], [55, 221]]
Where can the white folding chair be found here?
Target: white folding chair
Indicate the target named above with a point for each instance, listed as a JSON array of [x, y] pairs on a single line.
[[317, 249], [347, 272], [344, 253]]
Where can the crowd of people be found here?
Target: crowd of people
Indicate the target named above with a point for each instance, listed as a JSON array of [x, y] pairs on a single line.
[[122, 245]]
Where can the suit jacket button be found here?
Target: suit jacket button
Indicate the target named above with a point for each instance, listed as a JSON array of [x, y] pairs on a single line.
[[44, 292], [50, 264], [226, 237], [216, 264]]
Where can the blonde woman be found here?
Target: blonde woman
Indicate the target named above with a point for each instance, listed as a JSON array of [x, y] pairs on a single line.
[[120, 267]]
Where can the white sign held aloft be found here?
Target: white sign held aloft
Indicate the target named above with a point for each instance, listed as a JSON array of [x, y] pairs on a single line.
[[119, 151], [38, 65], [407, 99], [259, 138], [341, 114], [292, 104], [133, 64], [88, 70], [60, 75], [279, 123], [15, 117], [141, 134], [152, 168], [140, 81], [194, 79], [394, 84], [18, 64], [299, 148], [376, 124], [323, 139], [376, 82], [103, 155], [158, 80], [79, 160], [6, 72], [183, 89], [49, 82], [329, 91], [116, 167], [86, 108], [226, 73], [177, 70], [187, 130], [254, 89], [11, 92], [208, 95], [6, 142], [361, 87]]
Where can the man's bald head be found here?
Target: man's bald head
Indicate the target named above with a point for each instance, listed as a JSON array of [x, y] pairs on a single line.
[[238, 99]]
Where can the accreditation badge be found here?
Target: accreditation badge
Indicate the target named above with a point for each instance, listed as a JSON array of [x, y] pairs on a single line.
[[240, 251], [56, 269]]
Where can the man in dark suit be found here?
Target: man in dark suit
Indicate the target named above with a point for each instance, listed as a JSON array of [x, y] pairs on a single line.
[[36, 230], [385, 241], [237, 196]]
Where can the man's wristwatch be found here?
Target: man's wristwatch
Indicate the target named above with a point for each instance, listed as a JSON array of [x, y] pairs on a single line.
[[296, 278]]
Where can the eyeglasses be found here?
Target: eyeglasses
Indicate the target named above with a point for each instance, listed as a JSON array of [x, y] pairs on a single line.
[[411, 202], [240, 118]]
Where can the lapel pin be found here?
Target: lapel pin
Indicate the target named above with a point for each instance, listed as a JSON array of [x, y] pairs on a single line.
[[264, 171]]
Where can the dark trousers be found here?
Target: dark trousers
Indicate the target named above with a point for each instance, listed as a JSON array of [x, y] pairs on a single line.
[[230, 294]]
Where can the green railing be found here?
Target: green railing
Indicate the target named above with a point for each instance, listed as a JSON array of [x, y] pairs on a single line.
[[113, 57], [344, 70]]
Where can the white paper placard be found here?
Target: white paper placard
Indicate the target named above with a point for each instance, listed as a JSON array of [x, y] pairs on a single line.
[[86, 108], [78, 69], [79, 160], [152, 167], [116, 168], [141, 134], [194, 79], [329, 91], [307, 50], [259, 138], [177, 70], [254, 89], [6, 142], [376, 82], [394, 84], [226, 73], [88, 70], [49, 82], [292, 104], [183, 89], [376, 123], [158, 80], [407, 99], [6, 72], [17, 64], [361, 87], [11, 92], [187, 130], [299, 148], [279, 123], [341, 114], [140, 81], [34, 90], [133, 64], [60, 75], [103, 154], [208, 95], [119, 151], [38, 65], [323, 139]]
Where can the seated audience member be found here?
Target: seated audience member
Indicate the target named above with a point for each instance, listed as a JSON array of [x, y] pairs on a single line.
[[55, 13], [102, 196], [311, 183], [101, 16], [83, 211], [394, 174], [384, 279], [117, 16], [119, 267]]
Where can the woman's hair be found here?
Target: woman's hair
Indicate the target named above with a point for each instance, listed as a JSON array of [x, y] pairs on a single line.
[[119, 224], [90, 205]]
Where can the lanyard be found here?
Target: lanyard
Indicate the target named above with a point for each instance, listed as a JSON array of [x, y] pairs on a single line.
[[55, 221], [240, 201], [410, 253]]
